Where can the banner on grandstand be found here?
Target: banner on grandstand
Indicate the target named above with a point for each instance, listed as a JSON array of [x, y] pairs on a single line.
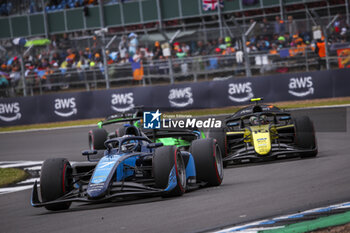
[[343, 58], [211, 5], [176, 97]]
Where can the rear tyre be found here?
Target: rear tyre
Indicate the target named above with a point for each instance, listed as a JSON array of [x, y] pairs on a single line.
[[120, 132], [97, 137], [305, 136], [164, 160], [55, 181], [220, 136], [208, 161]]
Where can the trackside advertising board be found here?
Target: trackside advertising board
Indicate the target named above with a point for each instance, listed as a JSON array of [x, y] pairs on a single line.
[[211, 94]]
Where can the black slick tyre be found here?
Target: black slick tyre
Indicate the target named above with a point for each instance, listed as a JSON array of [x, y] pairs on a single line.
[[208, 161], [220, 136], [55, 181], [305, 136], [164, 160], [97, 137]]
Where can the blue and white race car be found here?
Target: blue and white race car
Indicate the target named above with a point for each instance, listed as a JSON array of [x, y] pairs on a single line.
[[132, 165]]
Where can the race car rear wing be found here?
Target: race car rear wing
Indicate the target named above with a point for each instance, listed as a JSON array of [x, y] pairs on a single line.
[[163, 133], [118, 120], [239, 121], [132, 116]]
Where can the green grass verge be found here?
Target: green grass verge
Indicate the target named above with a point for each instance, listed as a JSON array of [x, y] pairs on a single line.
[[51, 125], [332, 220], [11, 175], [201, 112]]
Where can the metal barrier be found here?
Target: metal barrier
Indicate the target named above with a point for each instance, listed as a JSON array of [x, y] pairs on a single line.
[[157, 71]]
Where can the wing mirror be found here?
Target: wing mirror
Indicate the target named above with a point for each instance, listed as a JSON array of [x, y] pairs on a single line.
[[89, 152], [154, 145], [232, 124], [284, 118]]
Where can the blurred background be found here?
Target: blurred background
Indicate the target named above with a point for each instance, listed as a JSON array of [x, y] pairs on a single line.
[[74, 45]]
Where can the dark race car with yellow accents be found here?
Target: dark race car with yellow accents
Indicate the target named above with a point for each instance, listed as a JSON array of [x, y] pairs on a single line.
[[263, 132]]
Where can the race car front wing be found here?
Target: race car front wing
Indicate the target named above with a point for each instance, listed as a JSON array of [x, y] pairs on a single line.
[[120, 189], [249, 153]]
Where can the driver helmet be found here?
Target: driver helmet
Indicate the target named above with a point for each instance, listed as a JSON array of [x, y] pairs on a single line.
[[263, 120], [129, 146], [253, 120]]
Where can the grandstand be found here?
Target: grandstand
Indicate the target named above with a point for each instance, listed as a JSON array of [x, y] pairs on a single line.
[[144, 42]]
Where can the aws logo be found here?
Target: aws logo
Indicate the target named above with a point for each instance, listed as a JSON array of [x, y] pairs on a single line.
[[240, 92], [10, 112], [180, 97], [65, 107], [123, 102], [301, 87]]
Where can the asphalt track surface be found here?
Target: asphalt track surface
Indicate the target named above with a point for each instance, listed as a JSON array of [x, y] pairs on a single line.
[[248, 192]]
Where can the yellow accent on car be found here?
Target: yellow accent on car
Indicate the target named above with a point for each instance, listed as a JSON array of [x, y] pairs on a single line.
[[255, 99], [234, 133], [273, 132], [261, 139], [285, 126], [247, 135]]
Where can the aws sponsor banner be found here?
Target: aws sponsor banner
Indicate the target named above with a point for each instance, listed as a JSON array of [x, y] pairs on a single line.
[[209, 94], [113, 101], [18, 111], [233, 92], [67, 106], [299, 86], [123, 100], [187, 96]]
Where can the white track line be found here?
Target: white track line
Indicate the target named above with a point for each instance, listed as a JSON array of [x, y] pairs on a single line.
[[21, 164], [256, 224], [14, 189], [18, 161], [48, 129], [256, 230], [33, 168], [26, 165], [32, 180]]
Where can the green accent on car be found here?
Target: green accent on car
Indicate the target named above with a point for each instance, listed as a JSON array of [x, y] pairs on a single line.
[[137, 124], [173, 142], [114, 120], [169, 141]]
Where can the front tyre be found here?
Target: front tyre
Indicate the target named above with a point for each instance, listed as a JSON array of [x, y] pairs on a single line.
[[55, 181], [166, 159], [208, 161], [305, 136]]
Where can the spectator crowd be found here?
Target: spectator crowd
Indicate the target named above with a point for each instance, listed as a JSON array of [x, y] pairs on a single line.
[[280, 38]]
